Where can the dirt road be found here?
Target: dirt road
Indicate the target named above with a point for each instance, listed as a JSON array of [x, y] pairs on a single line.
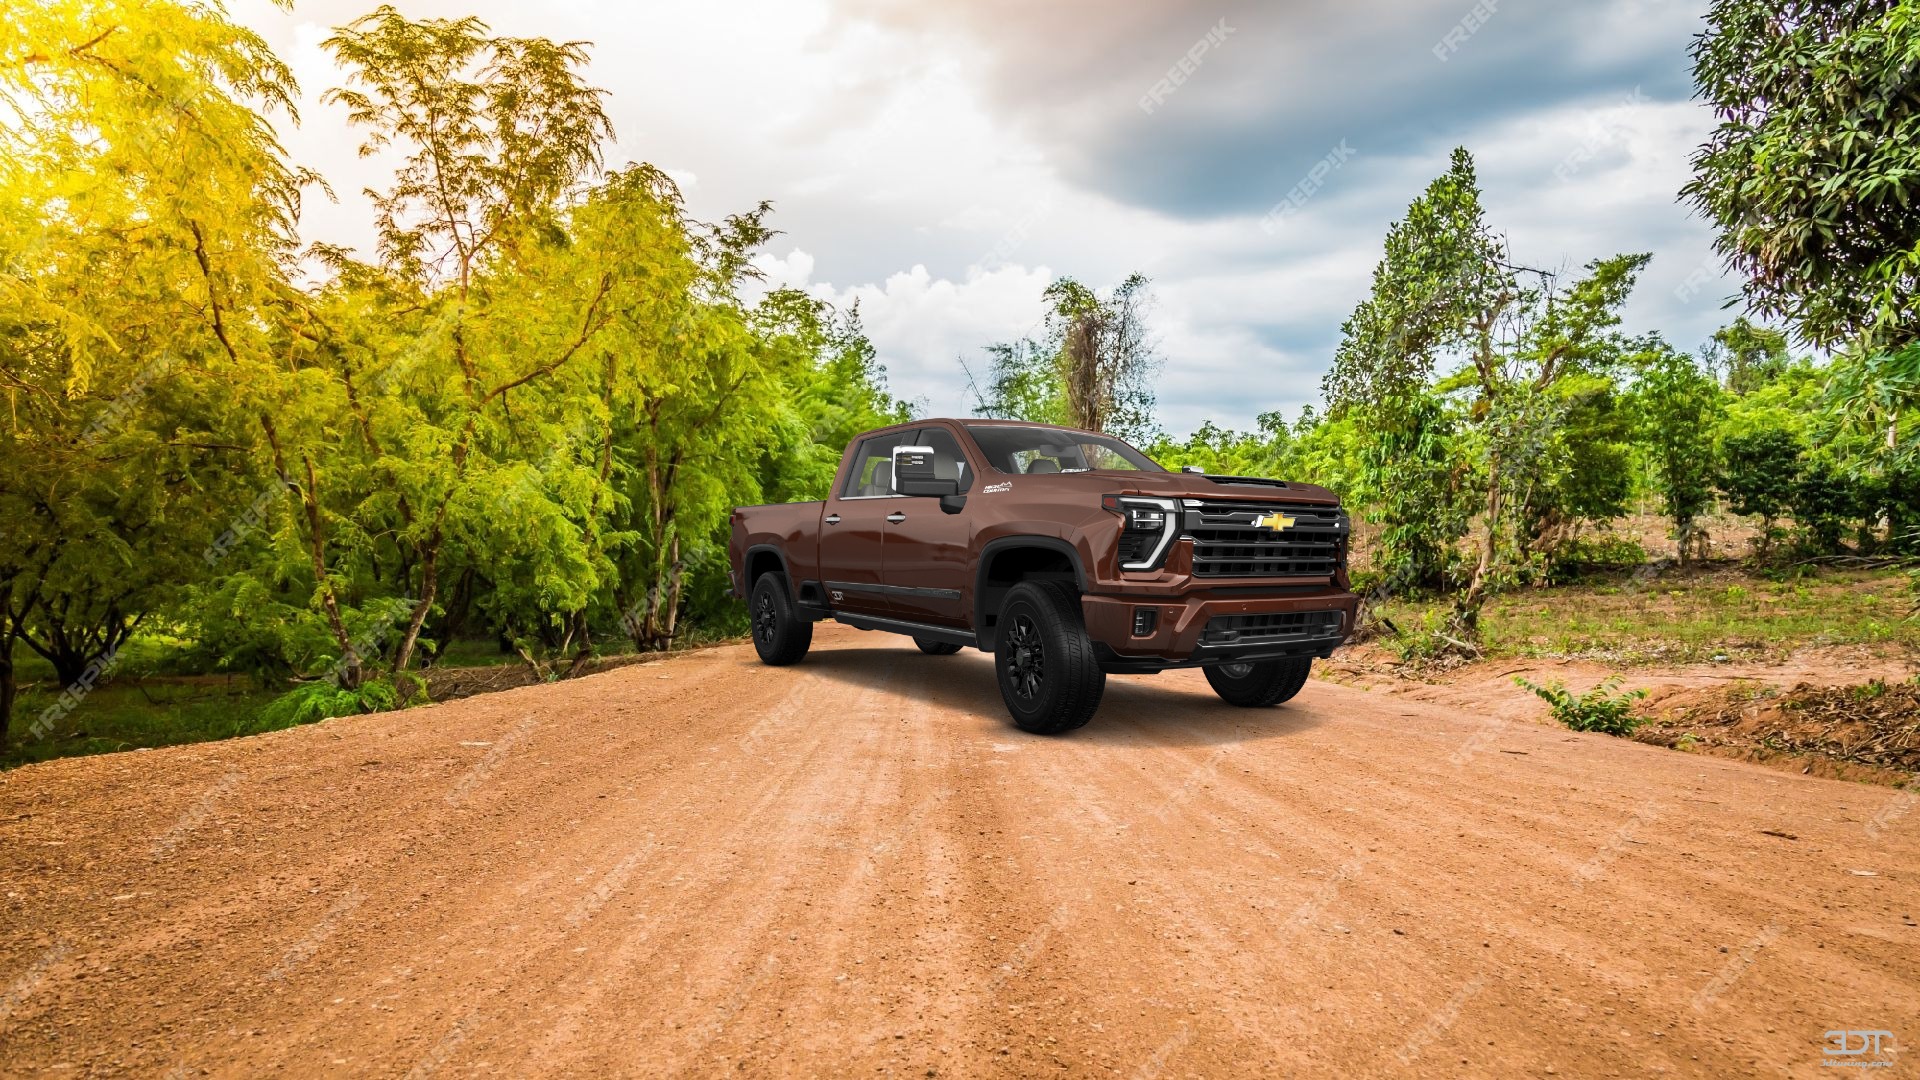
[[857, 866]]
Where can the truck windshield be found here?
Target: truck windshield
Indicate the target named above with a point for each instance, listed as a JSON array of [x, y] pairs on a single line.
[[1013, 449]]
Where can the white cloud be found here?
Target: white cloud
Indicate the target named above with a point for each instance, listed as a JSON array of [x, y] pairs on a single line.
[[933, 174]]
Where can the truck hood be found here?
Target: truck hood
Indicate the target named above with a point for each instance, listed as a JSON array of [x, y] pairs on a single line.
[[1175, 485]]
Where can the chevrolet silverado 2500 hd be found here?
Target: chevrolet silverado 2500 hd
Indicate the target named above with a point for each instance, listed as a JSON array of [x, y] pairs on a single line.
[[1065, 554]]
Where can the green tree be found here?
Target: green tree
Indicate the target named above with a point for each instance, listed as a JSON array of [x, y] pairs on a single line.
[[1676, 406], [1023, 383], [1447, 294], [1094, 371], [1106, 356], [1810, 175], [1758, 471], [492, 132], [1584, 475], [145, 212], [1752, 356]]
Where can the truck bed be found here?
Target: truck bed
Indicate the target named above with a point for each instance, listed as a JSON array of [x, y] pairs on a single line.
[[793, 529]]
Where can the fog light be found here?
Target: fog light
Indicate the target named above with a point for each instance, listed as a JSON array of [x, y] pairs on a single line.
[[1143, 620]]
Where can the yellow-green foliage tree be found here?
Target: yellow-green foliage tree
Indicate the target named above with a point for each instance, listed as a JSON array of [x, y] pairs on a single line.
[[146, 215]]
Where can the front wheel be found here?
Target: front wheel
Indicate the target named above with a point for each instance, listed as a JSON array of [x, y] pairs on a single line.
[[1255, 686], [936, 648], [781, 635], [1044, 661]]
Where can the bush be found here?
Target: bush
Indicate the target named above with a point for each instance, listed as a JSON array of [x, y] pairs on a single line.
[[1599, 709], [1585, 554], [1825, 502], [316, 701], [1758, 470]]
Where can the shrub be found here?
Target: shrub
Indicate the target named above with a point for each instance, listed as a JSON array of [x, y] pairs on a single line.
[[1599, 709], [1583, 555], [1758, 470], [1824, 504], [312, 702]]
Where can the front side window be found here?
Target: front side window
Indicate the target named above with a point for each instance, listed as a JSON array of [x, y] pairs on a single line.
[[948, 461], [1014, 449], [872, 472]]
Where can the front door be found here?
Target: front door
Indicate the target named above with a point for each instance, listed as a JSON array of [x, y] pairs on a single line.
[[927, 549], [853, 531]]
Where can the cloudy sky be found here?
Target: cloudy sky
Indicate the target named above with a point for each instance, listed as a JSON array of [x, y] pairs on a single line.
[[941, 161]]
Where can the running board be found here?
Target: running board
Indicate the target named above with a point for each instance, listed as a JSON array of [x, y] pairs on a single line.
[[900, 626]]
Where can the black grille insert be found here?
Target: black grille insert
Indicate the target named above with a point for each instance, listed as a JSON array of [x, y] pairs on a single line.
[[1229, 541], [1271, 626]]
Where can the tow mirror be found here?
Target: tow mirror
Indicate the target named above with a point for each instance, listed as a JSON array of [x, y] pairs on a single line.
[[913, 473]]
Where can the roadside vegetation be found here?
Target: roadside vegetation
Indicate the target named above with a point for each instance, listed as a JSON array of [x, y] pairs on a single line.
[[248, 483], [1708, 614]]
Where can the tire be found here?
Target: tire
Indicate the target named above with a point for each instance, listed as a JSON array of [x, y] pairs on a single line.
[[780, 634], [1256, 686], [936, 648], [1044, 661]]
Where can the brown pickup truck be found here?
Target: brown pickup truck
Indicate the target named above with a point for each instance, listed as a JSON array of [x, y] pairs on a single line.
[[1065, 554]]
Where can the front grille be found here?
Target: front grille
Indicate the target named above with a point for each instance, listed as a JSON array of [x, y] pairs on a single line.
[[1228, 543], [1270, 627]]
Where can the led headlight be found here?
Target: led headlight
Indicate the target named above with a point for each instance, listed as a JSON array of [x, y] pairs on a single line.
[[1147, 529]]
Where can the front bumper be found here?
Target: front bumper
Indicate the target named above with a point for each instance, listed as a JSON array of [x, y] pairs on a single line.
[[1180, 638]]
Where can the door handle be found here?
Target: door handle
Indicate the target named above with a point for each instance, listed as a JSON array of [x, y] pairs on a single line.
[[832, 519], [896, 517]]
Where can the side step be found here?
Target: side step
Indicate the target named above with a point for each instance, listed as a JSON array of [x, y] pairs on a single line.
[[900, 626]]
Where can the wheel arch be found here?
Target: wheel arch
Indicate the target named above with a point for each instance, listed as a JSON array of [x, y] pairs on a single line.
[[1008, 560], [762, 559]]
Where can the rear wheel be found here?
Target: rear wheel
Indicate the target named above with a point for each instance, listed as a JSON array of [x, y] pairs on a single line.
[[781, 635], [1044, 661], [936, 648], [1258, 685]]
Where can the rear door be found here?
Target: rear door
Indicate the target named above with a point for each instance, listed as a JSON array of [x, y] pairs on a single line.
[[927, 550], [853, 530]]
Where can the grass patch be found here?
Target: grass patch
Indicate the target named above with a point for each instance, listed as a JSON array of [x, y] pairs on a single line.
[[125, 716], [1718, 614]]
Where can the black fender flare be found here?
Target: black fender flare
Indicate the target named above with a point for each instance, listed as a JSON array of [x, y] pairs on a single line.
[[1001, 543], [746, 562]]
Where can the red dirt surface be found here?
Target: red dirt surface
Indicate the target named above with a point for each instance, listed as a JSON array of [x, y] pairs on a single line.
[[857, 866]]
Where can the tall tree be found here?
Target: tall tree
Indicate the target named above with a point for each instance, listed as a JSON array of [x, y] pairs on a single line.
[[1675, 405], [1446, 293], [1813, 171], [1107, 358], [1094, 371], [146, 209], [1751, 356], [493, 133]]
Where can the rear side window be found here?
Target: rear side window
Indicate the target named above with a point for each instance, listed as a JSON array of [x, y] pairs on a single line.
[[872, 472]]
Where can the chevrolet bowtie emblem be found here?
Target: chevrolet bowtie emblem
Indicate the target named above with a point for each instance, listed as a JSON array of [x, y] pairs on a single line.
[[1276, 522]]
